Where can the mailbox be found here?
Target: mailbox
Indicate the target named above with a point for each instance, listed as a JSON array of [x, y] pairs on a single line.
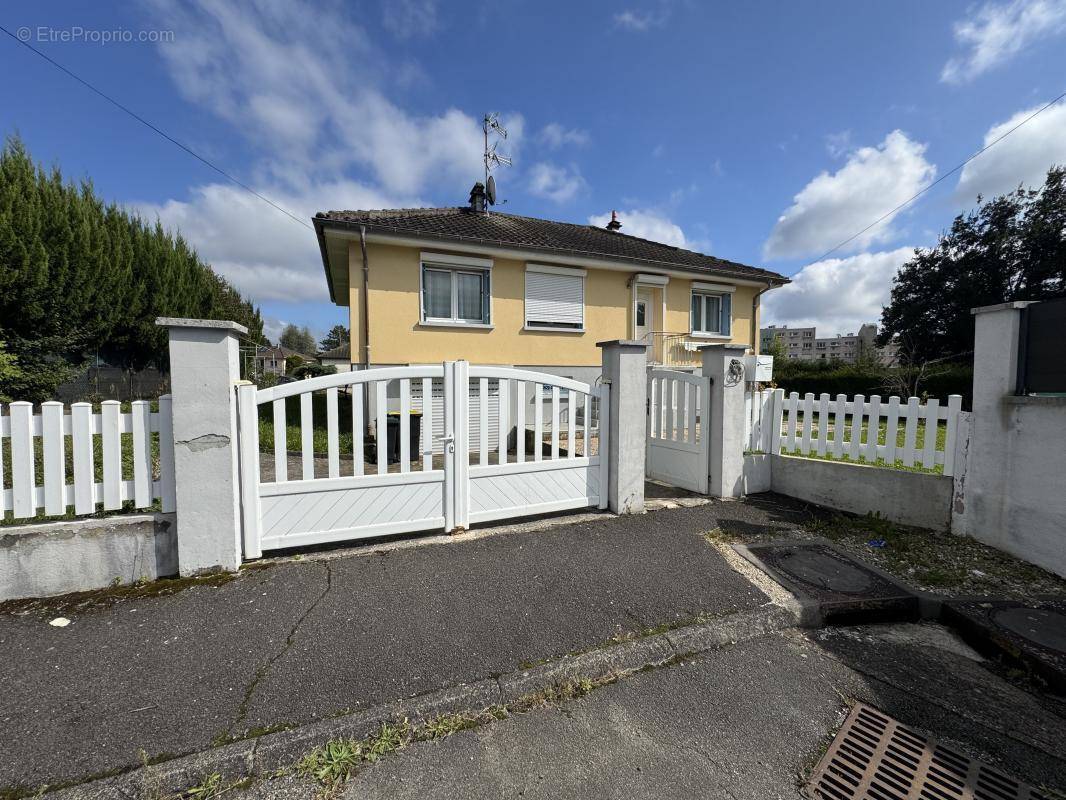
[[758, 368]]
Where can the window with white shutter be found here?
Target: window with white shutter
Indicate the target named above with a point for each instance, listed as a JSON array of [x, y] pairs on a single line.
[[555, 298]]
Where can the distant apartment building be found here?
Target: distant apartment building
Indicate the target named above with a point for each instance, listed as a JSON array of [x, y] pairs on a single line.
[[804, 344], [798, 342]]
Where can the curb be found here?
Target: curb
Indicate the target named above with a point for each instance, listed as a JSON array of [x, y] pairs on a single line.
[[262, 756]]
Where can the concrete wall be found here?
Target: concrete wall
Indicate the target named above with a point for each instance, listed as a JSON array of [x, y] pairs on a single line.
[[1012, 494], [78, 555], [1016, 501], [907, 498]]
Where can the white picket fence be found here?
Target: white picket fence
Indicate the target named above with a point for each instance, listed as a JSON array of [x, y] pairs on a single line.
[[841, 429], [38, 478]]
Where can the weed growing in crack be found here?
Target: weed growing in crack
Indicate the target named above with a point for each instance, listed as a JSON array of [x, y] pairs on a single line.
[[338, 760]]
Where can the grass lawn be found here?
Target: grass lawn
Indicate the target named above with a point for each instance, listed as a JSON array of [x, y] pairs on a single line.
[[864, 438]]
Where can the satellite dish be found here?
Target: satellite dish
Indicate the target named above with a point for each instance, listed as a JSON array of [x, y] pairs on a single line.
[[490, 190]]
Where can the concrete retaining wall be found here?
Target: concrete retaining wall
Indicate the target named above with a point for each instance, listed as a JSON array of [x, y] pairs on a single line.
[[907, 498], [78, 555], [1013, 493]]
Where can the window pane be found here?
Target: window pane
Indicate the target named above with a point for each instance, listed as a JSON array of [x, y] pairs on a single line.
[[437, 293], [642, 312], [697, 312], [470, 297], [711, 313]]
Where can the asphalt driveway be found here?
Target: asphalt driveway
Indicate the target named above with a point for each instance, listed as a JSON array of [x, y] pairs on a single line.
[[160, 676]]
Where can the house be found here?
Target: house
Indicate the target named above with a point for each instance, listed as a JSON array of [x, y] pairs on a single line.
[[428, 284], [273, 360], [339, 357]]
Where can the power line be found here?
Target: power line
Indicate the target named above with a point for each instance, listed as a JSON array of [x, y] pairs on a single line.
[[950, 172], [152, 127]]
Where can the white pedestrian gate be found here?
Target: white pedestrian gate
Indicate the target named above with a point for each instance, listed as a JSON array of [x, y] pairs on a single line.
[[678, 444], [475, 477]]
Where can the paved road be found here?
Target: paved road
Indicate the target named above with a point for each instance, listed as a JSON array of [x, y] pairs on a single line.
[[742, 722], [300, 641]]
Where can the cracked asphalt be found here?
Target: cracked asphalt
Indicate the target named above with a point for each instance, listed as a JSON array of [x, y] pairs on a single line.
[[163, 676], [745, 722]]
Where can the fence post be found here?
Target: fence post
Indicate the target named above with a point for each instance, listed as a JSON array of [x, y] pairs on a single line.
[[625, 369], [724, 365], [204, 369]]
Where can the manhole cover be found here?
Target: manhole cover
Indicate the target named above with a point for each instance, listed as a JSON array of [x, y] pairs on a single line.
[[824, 571], [876, 757], [1039, 625]]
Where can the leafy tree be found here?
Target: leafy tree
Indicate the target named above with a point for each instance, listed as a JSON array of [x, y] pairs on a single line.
[[298, 339], [337, 336], [776, 348], [293, 363], [1012, 247], [313, 370], [80, 278]]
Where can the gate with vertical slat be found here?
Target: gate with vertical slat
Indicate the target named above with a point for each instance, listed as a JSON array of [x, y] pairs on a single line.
[[485, 462], [678, 444]]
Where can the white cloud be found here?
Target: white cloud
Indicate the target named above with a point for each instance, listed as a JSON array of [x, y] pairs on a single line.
[[555, 183], [1022, 158], [838, 144], [638, 20], [833, 207], [315, 103], [995, 33], [836, 295], [647, 225], [260, 251], [555, 136], [407, 19]]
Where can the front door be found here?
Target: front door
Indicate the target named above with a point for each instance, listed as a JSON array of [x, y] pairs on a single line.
[[643, 314]]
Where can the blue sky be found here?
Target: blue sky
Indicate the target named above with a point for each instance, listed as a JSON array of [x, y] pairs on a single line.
[[760, 132]]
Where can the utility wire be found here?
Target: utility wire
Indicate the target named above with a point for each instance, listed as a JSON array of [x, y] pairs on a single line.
[[152, 127], [293, 217], [950, 172]]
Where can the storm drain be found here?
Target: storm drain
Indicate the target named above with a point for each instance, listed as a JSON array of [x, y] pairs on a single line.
[[874, 757]]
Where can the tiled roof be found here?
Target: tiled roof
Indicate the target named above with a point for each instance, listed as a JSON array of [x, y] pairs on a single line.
[[344, 351], [510, 230]]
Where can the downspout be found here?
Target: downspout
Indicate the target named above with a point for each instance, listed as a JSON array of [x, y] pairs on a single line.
[[755, 316], [366, 298]]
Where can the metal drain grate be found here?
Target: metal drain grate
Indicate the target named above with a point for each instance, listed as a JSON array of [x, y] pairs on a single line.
[[874, 757]]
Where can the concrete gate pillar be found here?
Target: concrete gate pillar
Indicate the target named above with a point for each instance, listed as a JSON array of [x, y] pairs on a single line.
[[625, 368], [724, 365], [204, 368]]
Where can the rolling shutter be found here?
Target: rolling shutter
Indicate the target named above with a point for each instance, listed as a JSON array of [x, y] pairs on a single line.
[[555, 299]]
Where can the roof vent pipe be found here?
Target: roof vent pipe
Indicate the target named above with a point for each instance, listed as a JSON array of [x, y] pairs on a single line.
[[614, 224]]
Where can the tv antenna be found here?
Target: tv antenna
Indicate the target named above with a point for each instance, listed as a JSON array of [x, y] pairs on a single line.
[[491, 122]]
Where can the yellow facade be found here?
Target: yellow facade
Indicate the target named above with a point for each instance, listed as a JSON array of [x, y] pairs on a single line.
[[398, 337]]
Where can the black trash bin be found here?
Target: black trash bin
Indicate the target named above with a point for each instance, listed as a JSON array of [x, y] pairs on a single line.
[[392, 451]]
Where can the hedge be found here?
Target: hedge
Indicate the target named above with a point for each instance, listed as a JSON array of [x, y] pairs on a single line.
[[850, 379]]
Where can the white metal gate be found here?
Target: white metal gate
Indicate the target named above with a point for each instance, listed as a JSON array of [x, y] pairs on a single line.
[[556, 427], [678, 444]]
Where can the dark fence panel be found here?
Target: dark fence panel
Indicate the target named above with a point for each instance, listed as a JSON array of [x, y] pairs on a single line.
[[113, 383], [1042, 350]]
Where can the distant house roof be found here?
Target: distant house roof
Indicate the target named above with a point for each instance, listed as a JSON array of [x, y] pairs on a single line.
[[278, 352], [463, 225], [342, 353]]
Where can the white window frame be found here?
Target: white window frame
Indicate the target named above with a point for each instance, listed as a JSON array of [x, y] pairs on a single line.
[[455, 266], [553, 270], [705, 290]]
